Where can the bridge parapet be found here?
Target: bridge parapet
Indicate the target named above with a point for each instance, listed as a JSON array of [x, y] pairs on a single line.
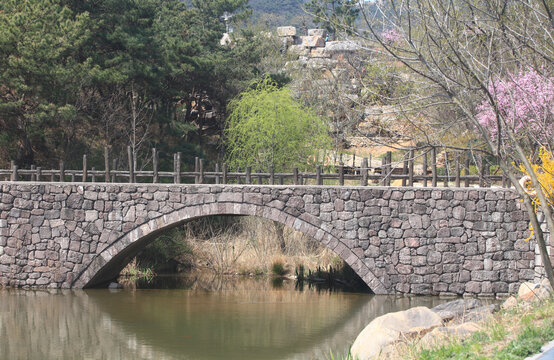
[[448, 241]]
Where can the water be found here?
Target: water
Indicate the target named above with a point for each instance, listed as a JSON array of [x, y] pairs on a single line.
[[199, 319]]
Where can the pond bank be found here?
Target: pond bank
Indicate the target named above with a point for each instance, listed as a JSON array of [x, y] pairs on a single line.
[[463, 329]]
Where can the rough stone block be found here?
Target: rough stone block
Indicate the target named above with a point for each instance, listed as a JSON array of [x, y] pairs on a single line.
[[286, 31]]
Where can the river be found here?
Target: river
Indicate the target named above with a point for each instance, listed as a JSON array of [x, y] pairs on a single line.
[[199, 318]]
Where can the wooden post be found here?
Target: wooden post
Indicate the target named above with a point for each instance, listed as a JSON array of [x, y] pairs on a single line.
[[295, 176], [260, 177], [177, 168], [217, 173], [39, 173], [84, 179], [271, 175], [466, 169], [14, 171], [446, 170], [487, 173], [458, 169], [200, 170], [411, 168], [248, 172], [93, 174], [370, 162], [131, 163], [106, 164], [114, 168], [384, 171], [353, 160], [389, 168], [363, 172], [155, 176], [341, 174], [52, 176], [425, 169], [481, 172], [33, 173], [281, 180], [62, 171], [224, 173], [72, 176], [238, 175], [434, 166], [318, 179], [405, 169], [196, 169]]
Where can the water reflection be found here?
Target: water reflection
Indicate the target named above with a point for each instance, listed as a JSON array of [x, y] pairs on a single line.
[[242, 320]]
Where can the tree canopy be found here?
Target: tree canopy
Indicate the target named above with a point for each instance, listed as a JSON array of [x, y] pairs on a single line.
[[80, 75], [267, 128]]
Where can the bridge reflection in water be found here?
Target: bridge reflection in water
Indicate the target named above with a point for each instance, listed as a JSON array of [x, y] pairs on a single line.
[[236, 322]]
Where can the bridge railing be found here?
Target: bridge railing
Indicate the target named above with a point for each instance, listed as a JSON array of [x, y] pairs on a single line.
[[464, 170]]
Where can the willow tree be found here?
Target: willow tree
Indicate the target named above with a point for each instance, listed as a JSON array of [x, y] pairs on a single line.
[[268, 127]]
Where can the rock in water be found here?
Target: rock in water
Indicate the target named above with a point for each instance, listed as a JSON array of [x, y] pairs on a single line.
[[114, 285], [390, 328]]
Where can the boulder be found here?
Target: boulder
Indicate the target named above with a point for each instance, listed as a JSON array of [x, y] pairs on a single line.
[[286, 31], [526, 290], [299, 50], [477, 314], [546, 284], [391, 328], [317, 32], [456, 308], [341, 46], [510, 303], [438, 335], [318, 52], [114, 285], [312, 41]]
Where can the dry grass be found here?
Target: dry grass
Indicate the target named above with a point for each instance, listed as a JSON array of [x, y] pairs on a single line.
[[253, 245]]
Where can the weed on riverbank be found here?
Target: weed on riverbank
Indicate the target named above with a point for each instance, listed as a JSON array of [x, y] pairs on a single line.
[[511, 334]]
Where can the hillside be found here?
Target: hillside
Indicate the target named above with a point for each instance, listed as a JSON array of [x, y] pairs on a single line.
[[279, 13]]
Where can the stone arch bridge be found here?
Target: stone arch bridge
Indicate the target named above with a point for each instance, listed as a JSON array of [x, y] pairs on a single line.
[[447, 241]]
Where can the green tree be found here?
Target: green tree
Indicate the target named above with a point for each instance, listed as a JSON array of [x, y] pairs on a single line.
[[40, 72], [334, 15], [268, 127]]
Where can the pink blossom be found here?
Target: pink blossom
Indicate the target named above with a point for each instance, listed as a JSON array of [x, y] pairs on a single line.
[[524, 101], [390, 36]]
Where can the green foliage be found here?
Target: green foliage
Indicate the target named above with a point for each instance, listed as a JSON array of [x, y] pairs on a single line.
[[73, 74], [334, 15], [268, 127], [40, 71], [528, 341], [165, 248], [278, 268], [279, 13]]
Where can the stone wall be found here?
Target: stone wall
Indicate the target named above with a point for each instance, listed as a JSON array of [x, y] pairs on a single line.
[[407, 240]]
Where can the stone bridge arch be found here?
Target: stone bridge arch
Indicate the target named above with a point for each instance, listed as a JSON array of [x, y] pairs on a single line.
[[113, 258], [428, 241]]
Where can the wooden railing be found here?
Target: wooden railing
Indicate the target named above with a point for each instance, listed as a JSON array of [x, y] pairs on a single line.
[[456, 173]]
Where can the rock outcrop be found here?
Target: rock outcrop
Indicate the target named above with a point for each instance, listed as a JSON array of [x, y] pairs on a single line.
[[391, 328]]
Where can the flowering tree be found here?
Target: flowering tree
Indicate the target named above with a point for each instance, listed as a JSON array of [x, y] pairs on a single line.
[[488, 65], [525, 102]]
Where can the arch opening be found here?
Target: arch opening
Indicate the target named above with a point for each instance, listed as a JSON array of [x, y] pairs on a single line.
[[105, 266]]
